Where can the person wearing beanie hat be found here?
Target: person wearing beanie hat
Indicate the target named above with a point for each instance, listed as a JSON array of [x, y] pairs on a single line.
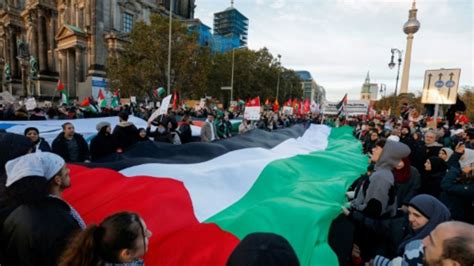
[[40, 144], [103, 144], [445, 154], [44, 225], [263, 249]]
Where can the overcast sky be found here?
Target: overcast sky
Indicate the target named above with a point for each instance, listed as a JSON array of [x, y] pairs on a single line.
[[338, 41]]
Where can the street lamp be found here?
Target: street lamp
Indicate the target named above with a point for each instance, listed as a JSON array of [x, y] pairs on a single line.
[[169, 46], [278, 80], [232, 74], [391, 65]]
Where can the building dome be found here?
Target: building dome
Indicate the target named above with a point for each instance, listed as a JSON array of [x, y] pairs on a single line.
[[411, 26]]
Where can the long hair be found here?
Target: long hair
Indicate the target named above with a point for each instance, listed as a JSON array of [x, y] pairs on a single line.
[[102, 243]]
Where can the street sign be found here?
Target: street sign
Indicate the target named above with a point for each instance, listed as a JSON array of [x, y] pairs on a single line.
[[353, 108], [441, 86], [226, 88]]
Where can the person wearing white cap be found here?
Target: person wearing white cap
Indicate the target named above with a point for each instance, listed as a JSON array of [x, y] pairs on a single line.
[[43, 224]]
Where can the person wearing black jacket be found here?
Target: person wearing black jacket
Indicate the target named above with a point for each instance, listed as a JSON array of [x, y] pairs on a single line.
[[103, 143], [125, 133], [39, 143], [435, 170], [161, 133], [40, 224], [184, 130], [70, 145]]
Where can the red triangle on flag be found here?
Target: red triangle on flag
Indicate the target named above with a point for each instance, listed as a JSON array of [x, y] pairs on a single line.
[[60, 86]]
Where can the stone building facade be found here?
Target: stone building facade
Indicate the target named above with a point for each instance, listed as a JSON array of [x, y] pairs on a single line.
[[42, 41]]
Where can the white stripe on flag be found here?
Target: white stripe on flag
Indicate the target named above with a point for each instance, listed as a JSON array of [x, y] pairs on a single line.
[[218, 183]]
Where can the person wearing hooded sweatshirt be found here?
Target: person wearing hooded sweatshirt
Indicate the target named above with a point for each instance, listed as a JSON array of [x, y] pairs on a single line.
[[377, 196], [39, 143], [125, 133], [435, 170], [458, 184], [103, 143]]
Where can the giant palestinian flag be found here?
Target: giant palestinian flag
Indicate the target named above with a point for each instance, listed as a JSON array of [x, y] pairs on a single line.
[[200, 199]]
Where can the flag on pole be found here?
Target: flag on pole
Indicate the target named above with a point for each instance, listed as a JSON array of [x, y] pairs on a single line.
[[175, 100], [115, 99], [341, 107], [101, 100], [161, 92], [276, 106], [267, 102], [306, 106], [255, 101], [60, 86], [314, 107]]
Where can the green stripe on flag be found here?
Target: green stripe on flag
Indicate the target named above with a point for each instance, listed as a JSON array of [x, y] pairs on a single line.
[[299, 198]]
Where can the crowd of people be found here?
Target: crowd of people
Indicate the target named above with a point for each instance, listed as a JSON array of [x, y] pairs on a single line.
[[414, 205], [418, 192]]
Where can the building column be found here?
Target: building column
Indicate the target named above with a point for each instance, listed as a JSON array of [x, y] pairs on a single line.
[[34, 42], [13, 55], [43, 49], [71, 72], [63, 67], [52, 41], [79, 65]]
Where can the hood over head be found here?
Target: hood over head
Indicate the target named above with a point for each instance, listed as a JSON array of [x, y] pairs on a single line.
[[393, 152]]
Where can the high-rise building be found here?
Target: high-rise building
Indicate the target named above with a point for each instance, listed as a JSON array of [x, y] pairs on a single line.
[[369, 91], [68, 40], [232, 24], [311, 90]]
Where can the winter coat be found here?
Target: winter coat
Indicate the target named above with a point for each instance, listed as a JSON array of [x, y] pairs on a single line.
[[185, 133], [431, 181], [377, 196], [60, 147], [37, 234], [458, 196], [125, 135], [422, 153], [42, 145], [406, 191], [159, 137], [102, 145]]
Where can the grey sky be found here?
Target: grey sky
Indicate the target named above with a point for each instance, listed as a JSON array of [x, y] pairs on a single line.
[[338, 41]]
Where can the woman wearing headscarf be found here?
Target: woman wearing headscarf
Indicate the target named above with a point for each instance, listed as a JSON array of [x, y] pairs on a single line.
[[103, 143], [458, 184], [445, 153], [406, 230], [39, 143], [435, 170], [425, 212], [407, 182], [370, 143]]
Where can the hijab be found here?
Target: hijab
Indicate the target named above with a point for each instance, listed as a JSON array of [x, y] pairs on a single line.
[[438, 165], [433, 210], [467, 158], [448, 152], [403, 175]]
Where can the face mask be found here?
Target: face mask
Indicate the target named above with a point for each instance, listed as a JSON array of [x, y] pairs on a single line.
[[161, 130]]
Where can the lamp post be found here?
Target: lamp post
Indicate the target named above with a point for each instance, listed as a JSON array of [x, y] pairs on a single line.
[[391, 65], [232, 74], [169, 46], [278, 80]]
